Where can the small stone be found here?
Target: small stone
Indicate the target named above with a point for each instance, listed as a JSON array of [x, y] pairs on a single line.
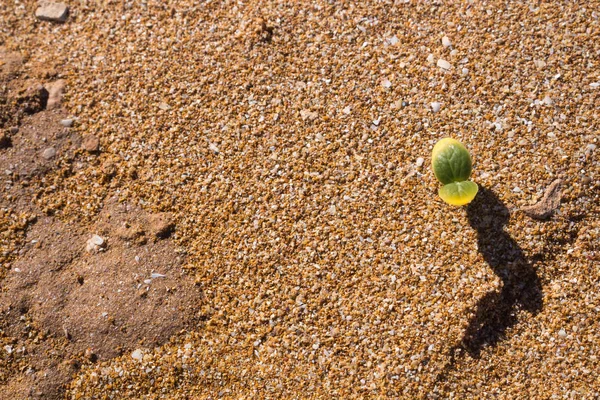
[[464, 71], [90, 143], [308, 115], [392, 41], [446, 42], [539, 63], [420, 162], [137, 354], [517, 189], [95, 244], [49, 153], [586, 180], [386, 83], [67, 123], [562, 333], [443, 64], [430, 58], [595, 85], [405, 104], [97, 240], [435, 106], [547, 101], [213, 147], [14, 130], [53, 12], [347, 110]]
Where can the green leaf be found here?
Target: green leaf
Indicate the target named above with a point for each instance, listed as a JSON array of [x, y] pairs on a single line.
[[459, 193], [451, 161]]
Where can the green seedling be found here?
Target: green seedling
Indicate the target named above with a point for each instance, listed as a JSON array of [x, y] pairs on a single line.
[[452, 164]]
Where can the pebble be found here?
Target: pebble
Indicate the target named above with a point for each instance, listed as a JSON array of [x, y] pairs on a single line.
[[49, 153], [464, 71], [562, 333], [53, 12], [67, 123], [435, 106], [420, 161], [517, 189], [95, 244], [539, 63], [137, 354], [430, 58], [446, 42], [443, 64], [14, 130], [90, 143], [547, 101], [97, 240], [308, 115], [393, 40]]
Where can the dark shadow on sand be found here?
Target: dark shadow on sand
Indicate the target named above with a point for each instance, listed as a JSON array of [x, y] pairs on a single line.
[[521, 289]]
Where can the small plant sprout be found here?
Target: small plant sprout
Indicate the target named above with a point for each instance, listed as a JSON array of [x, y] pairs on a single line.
[[451, 164]]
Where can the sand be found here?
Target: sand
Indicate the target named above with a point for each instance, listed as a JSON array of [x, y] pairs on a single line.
[[308, 253]]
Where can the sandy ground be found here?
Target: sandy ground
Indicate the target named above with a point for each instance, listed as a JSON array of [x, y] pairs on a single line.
[[227, 199]]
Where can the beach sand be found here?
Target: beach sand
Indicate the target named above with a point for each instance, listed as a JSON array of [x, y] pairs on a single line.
[[267, 225]]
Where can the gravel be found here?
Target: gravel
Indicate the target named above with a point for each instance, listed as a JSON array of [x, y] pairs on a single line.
[[369, 298]]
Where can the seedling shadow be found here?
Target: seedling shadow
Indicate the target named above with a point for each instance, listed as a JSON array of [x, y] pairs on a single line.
[[497, 311], [521, 289]]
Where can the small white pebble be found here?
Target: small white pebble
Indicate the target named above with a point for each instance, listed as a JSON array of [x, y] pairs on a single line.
[[547, 101], [446, 42], [562, 333], [464, 71], [430, 58], [392, 41], [97, 240], [595, 85], [435, 106], [137, 354], [67, 123], [386, 83], [156, 275], [420, 161], [517, 189], [443, 64]]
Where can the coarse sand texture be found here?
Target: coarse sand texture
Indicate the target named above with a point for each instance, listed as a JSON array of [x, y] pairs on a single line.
[[234, 200]]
